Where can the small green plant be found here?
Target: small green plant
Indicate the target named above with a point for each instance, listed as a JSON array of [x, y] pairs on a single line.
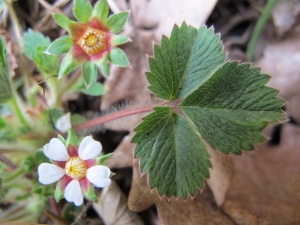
[[206, 101]]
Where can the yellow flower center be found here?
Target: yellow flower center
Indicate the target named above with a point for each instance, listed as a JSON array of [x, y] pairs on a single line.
[[93, 41], [76, 168]]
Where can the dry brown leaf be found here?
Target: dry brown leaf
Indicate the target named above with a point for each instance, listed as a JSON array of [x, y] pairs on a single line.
[[221, 174], [201, 210], [140, 196], [265, 188], [282, 61], [55, 218], [161, 16], [112, 207], [285, 15], [130, 83]]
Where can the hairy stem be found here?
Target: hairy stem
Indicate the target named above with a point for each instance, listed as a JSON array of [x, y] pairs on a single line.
[[258, 28], [69, 84], [113, 116]]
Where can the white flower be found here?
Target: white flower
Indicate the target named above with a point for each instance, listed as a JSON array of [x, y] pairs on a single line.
[[74, 168], [63, 123]]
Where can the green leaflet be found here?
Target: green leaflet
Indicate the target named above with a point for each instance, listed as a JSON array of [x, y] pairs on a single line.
[[231, 108], [5, 87], [184, 61], [224, 104], [172, 152]]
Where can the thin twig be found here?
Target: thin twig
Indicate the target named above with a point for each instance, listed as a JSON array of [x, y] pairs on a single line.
[[84, 210], [7, 162]]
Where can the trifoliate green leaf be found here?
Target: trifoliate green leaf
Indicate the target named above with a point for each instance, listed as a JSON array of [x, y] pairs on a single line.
[[184, 61], [82, 10], [173, 153], [223, 104], [89, 72], [101, 11], [35, 45], [5, 87], [118, 57], [60, 46], [116, 22]]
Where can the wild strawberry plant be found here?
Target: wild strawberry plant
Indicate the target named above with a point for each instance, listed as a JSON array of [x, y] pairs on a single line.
[[206, 101]]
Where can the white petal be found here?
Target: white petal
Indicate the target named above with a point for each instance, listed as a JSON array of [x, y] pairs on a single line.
[[73, 193], [99, 176], [89, 148], [56, 150], [49, 173], [63, 123]]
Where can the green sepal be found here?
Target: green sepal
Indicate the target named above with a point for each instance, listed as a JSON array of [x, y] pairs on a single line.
[[102, 64], [102, 159], [90, 193], [60, 46], [68, 64], [61, 138], [89, 73], [96, 89], [82, 11], [5, 87], [118, 57], [72, 138], [63, 21], [59, 192], [101, 11], [119, 40], [116, 22]]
